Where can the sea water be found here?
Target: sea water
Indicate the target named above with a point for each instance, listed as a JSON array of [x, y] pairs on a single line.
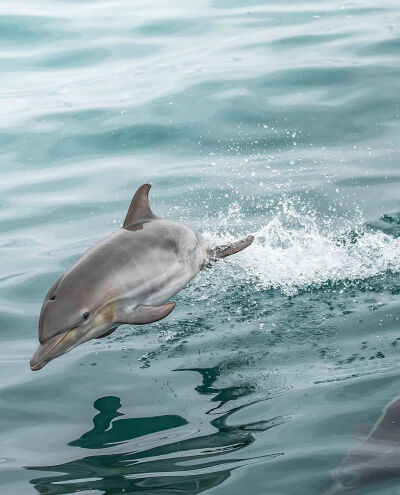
[[279, 119]]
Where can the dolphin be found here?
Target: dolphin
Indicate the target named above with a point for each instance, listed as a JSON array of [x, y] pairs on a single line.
[[374, 460], [128, 277]]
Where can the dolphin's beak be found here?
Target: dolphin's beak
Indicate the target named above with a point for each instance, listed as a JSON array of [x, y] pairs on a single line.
[[54, 347]]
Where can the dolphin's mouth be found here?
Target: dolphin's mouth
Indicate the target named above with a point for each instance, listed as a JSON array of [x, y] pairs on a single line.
[[52, 348]]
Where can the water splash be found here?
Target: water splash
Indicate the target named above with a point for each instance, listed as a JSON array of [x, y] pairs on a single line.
[[297, 250]]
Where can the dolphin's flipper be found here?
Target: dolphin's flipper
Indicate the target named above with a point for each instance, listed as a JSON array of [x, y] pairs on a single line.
[[146, 314], [139, 209], [228, 249]]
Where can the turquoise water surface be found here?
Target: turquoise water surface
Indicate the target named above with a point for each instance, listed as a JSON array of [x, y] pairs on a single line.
[[279, 119]]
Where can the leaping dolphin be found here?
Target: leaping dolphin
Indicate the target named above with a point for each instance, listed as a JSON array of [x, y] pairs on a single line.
[[128, 277]]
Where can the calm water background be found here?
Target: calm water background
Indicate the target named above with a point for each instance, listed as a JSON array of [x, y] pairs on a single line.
[[277, 118]]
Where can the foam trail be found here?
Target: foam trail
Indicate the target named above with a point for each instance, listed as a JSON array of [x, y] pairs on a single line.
[[295, 250]]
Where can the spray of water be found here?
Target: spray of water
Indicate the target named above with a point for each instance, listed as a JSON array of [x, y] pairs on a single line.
[[296, 249]]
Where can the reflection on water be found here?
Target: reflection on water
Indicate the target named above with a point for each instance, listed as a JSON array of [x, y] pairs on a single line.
[[108, 431], [189, 464], [222, 395]]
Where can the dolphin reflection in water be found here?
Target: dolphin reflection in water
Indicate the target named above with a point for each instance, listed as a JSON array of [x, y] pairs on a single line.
[[128, 277], [156, 455], [374, 460]]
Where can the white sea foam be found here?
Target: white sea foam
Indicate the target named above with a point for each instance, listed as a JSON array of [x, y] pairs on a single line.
[[296, 250]]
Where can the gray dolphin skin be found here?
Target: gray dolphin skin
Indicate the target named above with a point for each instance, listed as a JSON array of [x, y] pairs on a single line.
[[374, 460], [128, 277]]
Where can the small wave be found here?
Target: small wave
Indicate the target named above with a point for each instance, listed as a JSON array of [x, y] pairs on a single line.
[[296, 250]]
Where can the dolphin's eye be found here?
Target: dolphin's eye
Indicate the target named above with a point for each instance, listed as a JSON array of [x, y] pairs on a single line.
[[86, 315], [52, 298]]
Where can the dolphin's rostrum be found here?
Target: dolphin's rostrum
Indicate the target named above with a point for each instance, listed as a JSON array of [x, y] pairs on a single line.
[[128, 277]]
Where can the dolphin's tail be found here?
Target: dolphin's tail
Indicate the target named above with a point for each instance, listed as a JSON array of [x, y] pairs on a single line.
[[228, 249]]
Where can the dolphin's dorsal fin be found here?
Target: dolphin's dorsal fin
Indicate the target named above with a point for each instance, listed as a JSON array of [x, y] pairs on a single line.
[[139, 208]]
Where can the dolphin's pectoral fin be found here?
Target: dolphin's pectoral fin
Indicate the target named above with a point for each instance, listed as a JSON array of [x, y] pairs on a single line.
[[139, 208], [228, 249], [147, 314]]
